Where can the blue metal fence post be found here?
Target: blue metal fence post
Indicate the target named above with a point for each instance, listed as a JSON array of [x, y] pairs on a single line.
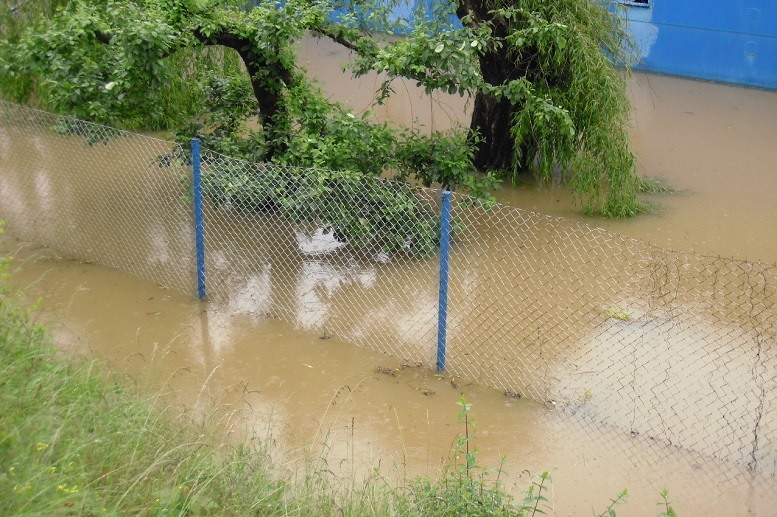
[[445, 244], [199, 222]]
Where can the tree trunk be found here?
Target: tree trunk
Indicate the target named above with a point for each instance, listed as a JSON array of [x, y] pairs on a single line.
[[273, 112], [492, 118], [268, 89]]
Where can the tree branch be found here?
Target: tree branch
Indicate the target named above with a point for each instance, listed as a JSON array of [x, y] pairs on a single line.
[[362, 45], [103, 37]]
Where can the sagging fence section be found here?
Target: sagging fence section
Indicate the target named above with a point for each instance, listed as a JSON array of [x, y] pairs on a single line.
[[671, 348]]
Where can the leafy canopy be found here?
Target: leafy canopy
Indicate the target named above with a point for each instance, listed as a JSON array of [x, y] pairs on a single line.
[[550, 66], [547, 67]]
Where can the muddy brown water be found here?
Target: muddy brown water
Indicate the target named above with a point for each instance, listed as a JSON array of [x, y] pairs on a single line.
[[713, 142], [308, 392]]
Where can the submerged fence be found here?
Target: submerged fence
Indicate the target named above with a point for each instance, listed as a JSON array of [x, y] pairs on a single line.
[[671, 348]]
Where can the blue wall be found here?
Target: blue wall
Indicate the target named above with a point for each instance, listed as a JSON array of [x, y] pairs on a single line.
[[733, 41]]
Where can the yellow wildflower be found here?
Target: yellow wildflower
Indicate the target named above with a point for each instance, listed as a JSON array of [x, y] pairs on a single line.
[[22, 489], [68, 490]]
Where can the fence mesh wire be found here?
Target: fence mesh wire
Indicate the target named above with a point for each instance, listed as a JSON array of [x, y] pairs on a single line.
[[675, 347], [677, 350], [96, 193]]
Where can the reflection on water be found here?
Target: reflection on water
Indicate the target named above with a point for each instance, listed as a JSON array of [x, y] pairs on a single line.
[[103, 203], [255, 297], [318, 282], [319, 242]]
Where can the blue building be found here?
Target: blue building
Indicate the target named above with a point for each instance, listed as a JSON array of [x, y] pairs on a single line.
[[731, 41]]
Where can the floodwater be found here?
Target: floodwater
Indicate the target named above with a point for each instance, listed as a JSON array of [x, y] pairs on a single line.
[[712, 142], [309, 393]]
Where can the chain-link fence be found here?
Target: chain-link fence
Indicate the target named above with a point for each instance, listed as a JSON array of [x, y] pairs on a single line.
[[673, 347], [676, 350], [96, 193]]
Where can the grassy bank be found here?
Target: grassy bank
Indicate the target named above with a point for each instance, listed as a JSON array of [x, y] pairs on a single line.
[[77, 440]]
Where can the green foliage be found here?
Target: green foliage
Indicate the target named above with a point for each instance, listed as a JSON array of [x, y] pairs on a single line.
[[107, 62], [78, 76], [436, 55], [16, 84], [554, 64], [444, 158], [364, 212], [329, 136], [224, 128], [226, 72], [668, 511], [610, 510]]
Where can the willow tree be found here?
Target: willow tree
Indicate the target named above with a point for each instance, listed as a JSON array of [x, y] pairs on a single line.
[[552, 84], [548, 89]]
